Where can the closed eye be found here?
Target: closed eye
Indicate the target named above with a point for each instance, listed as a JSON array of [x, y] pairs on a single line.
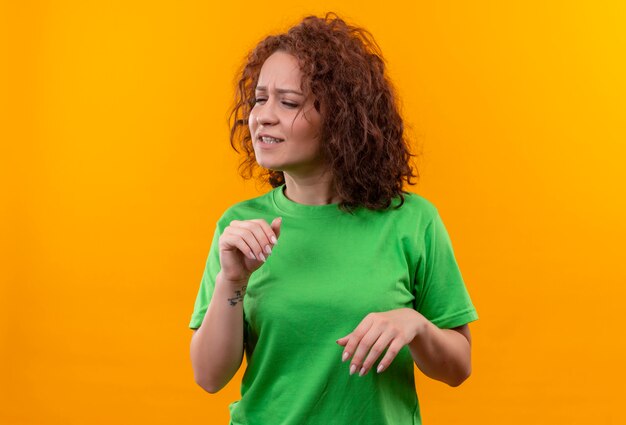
[[287, 104]]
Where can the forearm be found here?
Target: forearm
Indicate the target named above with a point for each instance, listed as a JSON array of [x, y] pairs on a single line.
[[441, 354], [217, 345]]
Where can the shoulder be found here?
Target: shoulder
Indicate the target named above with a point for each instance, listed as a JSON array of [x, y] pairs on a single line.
[[419, 202], [416, 207], [404, 218]]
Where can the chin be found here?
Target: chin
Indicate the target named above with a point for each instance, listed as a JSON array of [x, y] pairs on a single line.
[[269, 166]]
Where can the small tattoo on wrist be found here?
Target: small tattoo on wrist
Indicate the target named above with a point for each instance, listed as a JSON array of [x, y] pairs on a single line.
[[238, 296]]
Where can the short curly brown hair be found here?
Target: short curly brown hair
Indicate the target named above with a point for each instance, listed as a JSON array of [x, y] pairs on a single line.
[[362, 136]]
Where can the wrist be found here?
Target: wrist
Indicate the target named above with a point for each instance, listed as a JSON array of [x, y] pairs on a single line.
[[420, 325], [236, 284], [232, 291], [231, 282]]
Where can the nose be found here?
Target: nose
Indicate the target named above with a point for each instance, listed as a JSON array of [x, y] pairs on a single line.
[[265, 114]]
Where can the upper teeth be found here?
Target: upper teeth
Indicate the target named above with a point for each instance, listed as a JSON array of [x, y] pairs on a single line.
[[270, 140]]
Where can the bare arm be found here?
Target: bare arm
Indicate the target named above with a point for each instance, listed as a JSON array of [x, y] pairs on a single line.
[[217, 345], [443, 354]]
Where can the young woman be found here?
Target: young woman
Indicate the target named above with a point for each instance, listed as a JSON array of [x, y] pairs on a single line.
[[336, 281]]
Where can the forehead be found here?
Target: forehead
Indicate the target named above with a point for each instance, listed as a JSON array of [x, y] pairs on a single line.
[[281, 70]]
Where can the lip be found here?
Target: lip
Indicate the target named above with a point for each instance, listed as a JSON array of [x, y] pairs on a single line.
[[267, 146], [268, 135]]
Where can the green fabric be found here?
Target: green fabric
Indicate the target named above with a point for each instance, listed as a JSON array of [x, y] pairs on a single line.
[[327, 272]]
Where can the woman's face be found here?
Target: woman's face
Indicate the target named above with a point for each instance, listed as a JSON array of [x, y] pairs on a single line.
[[294, 144]]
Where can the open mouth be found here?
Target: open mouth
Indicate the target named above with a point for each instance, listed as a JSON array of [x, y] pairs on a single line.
[[270, 140]]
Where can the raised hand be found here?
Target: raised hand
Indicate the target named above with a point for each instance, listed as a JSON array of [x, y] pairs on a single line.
[[245, 245]]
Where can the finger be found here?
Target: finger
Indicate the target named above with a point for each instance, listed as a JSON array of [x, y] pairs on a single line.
[[276, 224], [268, 230], [355, 337], [377, 349], [232, 239], [256, 228], [391, 354], [249, 238], [343, 341], [363, 348]]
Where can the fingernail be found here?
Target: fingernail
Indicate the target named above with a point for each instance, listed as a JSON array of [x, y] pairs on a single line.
[[268, 249], [345, 356], [362, 371], [352, 369], [273, 239], [252, 256], [380, 368], [262, 257]]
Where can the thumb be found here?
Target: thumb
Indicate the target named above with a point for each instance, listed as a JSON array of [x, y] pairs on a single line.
[[276, 225]]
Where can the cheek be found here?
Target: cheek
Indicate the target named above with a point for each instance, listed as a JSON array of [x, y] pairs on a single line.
[[252, 122], [308, 130]]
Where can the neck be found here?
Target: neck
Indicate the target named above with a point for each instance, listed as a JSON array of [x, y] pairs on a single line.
[[310, 190]]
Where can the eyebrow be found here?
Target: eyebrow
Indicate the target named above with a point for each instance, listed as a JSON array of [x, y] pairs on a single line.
[[281, 91]]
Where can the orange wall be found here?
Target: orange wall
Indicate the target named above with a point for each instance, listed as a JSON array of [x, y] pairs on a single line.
[[116, 165]]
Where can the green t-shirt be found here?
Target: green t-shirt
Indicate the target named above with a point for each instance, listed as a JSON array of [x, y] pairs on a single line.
[[328, 270]]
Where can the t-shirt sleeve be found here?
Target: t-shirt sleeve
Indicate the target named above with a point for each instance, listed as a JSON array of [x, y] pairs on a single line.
[[207, 283], [440, 292]]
